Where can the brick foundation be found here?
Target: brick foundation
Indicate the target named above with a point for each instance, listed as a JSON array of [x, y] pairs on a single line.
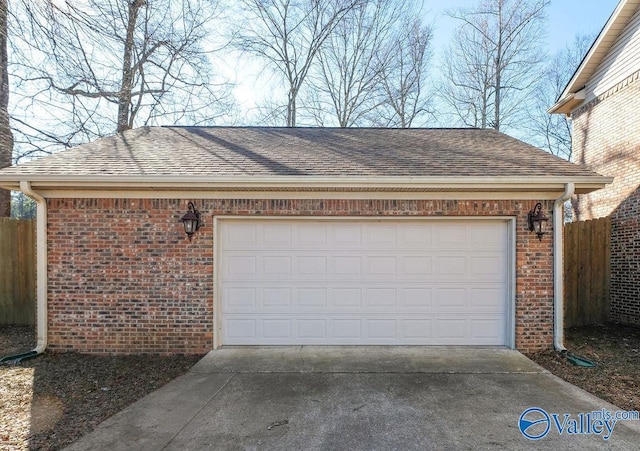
[[123, 278]]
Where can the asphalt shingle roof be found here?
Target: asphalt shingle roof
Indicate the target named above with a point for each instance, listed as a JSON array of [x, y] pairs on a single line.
[[268, 151]]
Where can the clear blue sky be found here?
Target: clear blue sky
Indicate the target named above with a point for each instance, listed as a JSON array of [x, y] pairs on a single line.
[[566, 19]]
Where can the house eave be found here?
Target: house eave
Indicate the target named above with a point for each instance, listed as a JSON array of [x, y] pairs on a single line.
[[49, 185], [569, 103], [599, 49]]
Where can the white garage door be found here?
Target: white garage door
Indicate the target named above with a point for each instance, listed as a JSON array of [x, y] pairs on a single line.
[[392, 282]]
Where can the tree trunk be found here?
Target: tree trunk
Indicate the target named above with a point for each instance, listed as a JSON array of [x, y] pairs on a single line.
[[496, 119], [484, 108], [6, 137], [498, 68], [124, 100], [291, 108]]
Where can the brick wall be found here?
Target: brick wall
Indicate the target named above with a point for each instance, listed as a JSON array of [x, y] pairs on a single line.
[[123, 278], [606, 139]]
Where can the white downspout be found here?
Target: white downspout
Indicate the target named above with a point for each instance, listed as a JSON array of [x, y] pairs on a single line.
[[41, 266], [558, 273]]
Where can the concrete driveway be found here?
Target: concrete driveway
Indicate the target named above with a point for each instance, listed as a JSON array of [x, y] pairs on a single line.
[[362, 398]]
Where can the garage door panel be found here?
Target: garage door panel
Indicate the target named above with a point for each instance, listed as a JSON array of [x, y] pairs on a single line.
[[347, 329], [451, 299], [414, 235], [451, 330], [310, 298], [450, 236], [275, 235], [353, 330], [381, 329], [381, 299], [239, 299], [240, 236], [311, 236], [388, 297], [240, 266], [381, 265], [452, 267], [417, 329], [312, 266], [346, 266], [484, 330], [363, 282], [311, 329], [487, 267], [241, 330], [416, 299], [485, 236], [487, 300], [346, 298], [277, 298], [276, 265], [416, 266], [349, 233], [277, 329], [382, 237]]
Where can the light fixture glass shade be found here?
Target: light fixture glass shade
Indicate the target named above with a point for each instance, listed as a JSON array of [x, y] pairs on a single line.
[[191, 221], [189, 225], [540, 226], [538, 221]]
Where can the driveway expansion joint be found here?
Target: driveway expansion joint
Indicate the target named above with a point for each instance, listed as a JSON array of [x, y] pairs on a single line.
[[199, 411]]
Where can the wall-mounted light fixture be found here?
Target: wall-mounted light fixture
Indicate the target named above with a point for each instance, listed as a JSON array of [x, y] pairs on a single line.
[[538, 221], [191, 220]]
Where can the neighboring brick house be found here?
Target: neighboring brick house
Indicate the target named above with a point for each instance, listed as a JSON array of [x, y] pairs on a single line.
[[310, 236], [603, 100]]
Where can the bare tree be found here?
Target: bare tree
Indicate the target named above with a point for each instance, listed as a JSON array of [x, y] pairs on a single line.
[[552, 132], [288, 35], [104, 66], [271, 113], [403, 71], [347, 80], [468, 71], [492, 62], [6, 137]]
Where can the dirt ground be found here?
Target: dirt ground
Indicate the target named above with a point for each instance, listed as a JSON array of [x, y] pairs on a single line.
[[615, 349], [50, 401]]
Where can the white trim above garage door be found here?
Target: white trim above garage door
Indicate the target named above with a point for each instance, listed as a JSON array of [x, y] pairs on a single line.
[[343, 281]]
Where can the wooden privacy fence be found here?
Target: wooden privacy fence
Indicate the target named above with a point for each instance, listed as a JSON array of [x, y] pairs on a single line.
[[17, 271], [587, 274]]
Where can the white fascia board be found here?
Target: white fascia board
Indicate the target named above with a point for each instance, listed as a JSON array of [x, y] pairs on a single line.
[[292, 181], [302, 183], [342, 195], [569, 103]]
